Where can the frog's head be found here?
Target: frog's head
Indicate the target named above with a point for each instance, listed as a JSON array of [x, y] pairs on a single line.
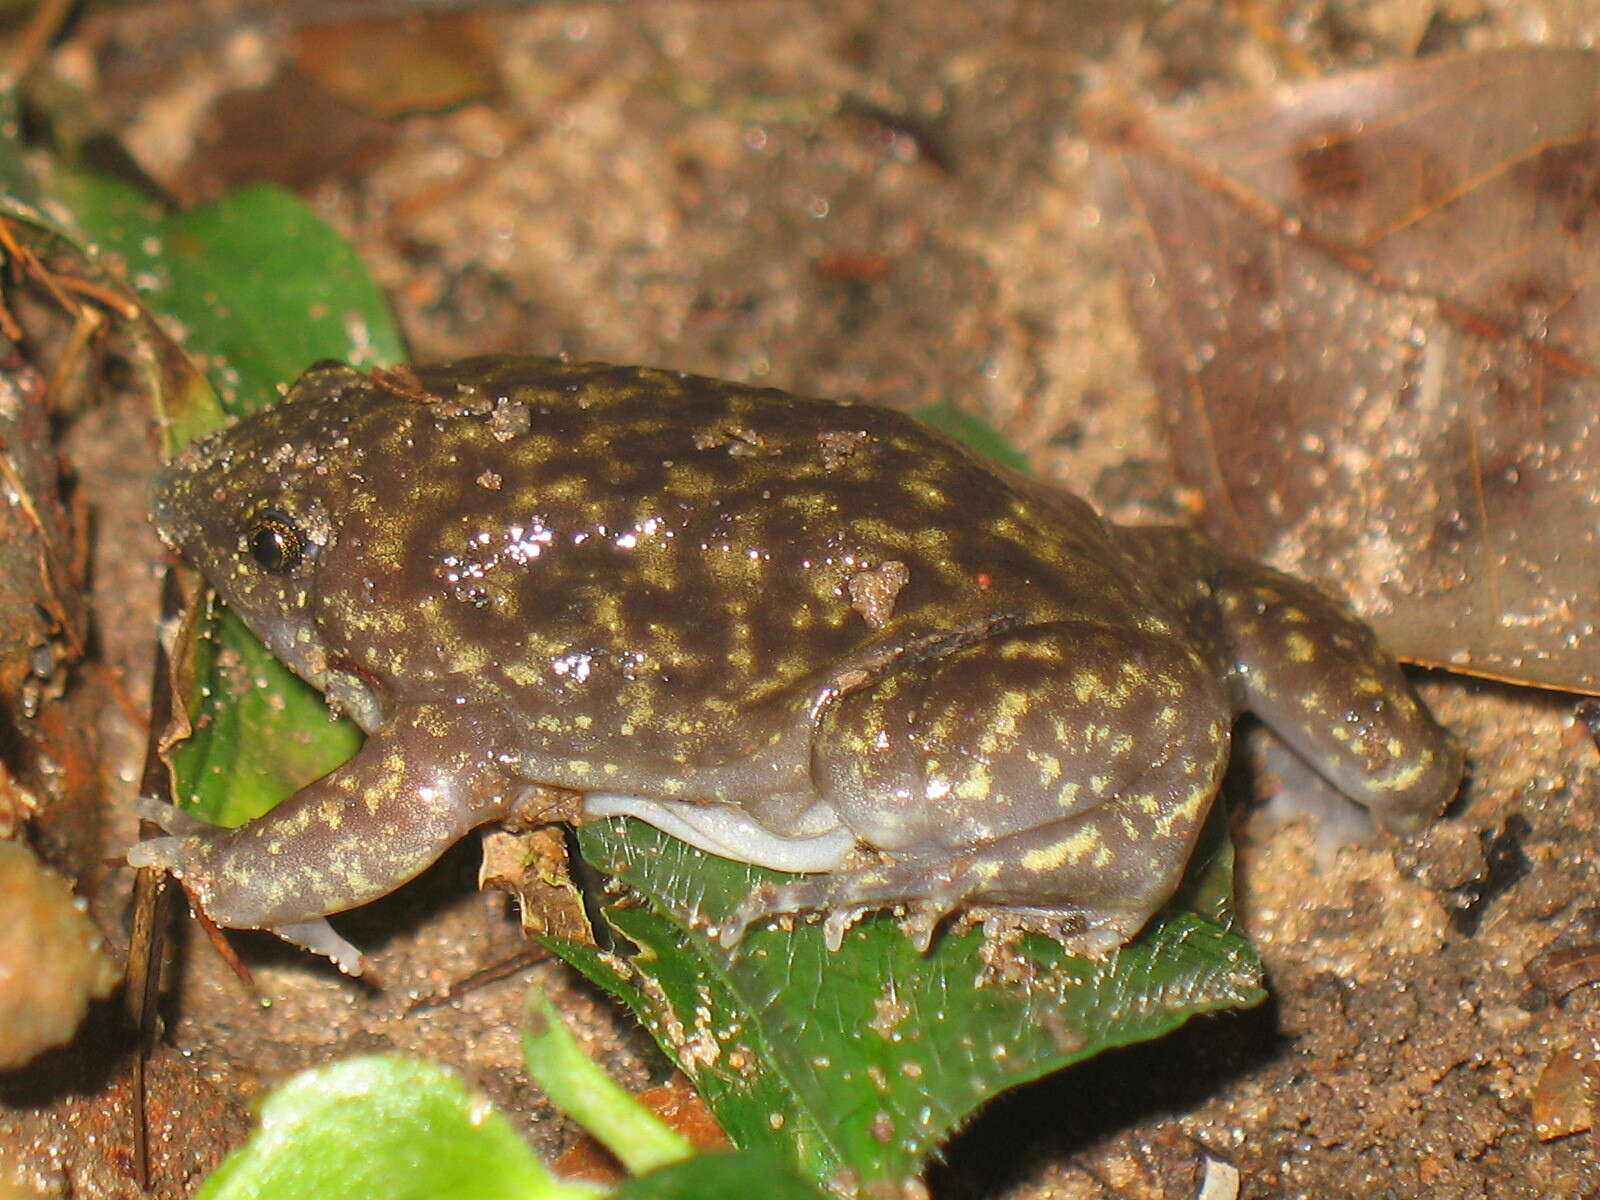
[[256, 506]]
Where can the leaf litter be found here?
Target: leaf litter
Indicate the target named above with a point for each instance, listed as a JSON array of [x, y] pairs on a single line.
[[1370, 304]]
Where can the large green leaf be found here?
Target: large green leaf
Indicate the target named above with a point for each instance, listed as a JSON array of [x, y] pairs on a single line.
[[383, 1126], [863, 1060], [258, 285]]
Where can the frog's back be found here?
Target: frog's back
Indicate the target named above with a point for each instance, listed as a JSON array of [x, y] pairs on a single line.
[[584, 530]]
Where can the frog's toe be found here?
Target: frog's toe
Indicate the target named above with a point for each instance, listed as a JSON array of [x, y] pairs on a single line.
[[776, 900], [1078, 933], [922, 920], [166, 853], [319, 937], [171, 818], [839, 921], [1405, 823], [1094, 941], [845, 900]]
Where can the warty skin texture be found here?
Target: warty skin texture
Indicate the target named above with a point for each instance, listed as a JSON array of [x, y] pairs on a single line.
[[807, 634]]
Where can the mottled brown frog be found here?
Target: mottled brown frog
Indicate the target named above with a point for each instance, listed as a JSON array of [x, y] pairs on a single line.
[[811, 635]]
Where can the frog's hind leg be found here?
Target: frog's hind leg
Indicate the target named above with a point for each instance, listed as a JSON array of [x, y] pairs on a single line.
[[1062, 772], [1079, 880], [1319, 679]]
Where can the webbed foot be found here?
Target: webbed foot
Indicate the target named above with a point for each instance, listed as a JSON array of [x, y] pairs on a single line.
[[846, 898]]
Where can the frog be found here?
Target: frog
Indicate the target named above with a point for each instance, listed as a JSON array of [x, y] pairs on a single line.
[[809, 635]]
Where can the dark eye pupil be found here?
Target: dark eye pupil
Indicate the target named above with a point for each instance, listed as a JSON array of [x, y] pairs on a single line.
[[275, 543]]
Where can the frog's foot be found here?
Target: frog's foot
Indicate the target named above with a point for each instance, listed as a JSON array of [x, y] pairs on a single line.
[[847, 898], [1078, 934], [175, 852], [927, 891], [1077, 880], [186, 858]]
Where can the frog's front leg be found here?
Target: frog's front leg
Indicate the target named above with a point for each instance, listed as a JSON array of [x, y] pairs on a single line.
[[1059, 774], [416, 786]]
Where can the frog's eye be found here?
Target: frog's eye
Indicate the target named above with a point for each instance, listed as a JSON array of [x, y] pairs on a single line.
[[275, 542]]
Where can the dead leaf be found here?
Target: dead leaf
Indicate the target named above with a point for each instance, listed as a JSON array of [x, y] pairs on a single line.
[[1562, 1102], [1371, 303], [42, 614], [385, 66], [290, 131], [532, 866]]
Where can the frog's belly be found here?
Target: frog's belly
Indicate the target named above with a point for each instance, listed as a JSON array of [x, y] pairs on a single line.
[[820, 843]]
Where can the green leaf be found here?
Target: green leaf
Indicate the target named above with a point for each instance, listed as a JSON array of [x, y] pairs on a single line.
[[973, 432], [862, 1061], [383, 1126], [179, 392], [259, 284], [639, 1139], [748, 1175], [260, 733]]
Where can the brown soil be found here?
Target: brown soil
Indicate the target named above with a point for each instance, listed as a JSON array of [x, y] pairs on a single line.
[[885, 201]]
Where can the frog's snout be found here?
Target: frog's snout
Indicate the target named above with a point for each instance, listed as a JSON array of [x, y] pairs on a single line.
[[175, 505], [169, 507]]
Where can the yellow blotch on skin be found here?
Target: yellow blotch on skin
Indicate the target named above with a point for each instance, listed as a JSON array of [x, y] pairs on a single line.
[[1186, 810], [1049, 766], [1301, 648], [1403, 777], [1068, 850], [1086, 685], [975, 786], [469, 657], [522, 674]]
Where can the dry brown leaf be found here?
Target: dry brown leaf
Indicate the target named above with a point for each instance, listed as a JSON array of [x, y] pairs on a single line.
[[42, 615], [1562, 1102], [532, 866], [388, 66], [1371, 304]]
